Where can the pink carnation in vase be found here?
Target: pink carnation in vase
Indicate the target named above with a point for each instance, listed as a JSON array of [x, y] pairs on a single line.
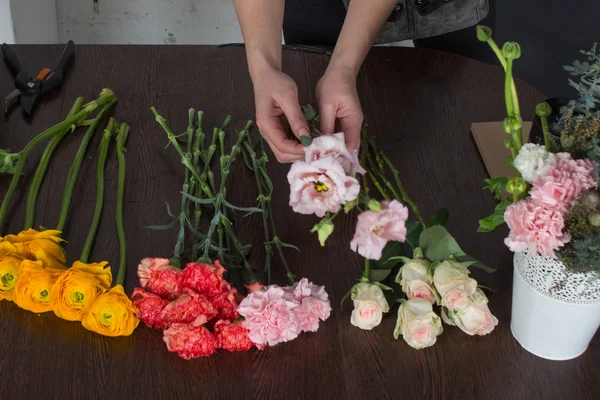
[[226, 305], [334, 146], [190, 341], [565, 180], [204, 279], [233, 336], [189, 308], [269, 316], [159, 277], [374, 229], [320, 186], [149, 306], [535, 227]]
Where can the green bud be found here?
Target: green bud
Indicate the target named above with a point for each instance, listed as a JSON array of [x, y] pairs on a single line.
[[349, 206], [511, 50], [516, 186], [323, 229], [8, 162], [512, 124], [543, 110], [418, 253], [594, 219], [508, 142], [374, 205], [484, 33], [591, 199]]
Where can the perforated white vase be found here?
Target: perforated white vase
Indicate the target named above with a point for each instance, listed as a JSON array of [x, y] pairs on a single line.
[[555, 313]]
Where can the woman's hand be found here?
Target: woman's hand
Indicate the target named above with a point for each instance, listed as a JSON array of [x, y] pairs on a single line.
[[276, 94], [338, 99]]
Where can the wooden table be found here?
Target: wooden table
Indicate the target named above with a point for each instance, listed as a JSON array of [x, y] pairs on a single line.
[[419, 104]]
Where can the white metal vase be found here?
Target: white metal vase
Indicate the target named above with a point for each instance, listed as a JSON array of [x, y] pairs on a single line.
[[555, 312]]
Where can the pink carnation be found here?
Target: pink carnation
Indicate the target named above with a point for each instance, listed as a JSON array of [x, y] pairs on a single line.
[[310, 311], [269, 316], [189, 308], [232, 336], [374, 229], [159, 277], [190, 341], [320, 186], [149, 306], [226, 305], [204, 279], [565, 180], [535, 227], [334, 146]]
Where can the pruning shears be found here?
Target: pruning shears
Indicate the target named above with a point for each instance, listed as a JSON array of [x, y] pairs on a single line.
[[29, 89]]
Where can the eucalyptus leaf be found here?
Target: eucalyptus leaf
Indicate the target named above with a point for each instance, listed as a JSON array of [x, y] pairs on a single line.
[[378, 275], [413, 232], [388, 259], [438, 244], [440, 218]]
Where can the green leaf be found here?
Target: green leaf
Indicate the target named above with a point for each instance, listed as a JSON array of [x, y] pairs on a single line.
[[440, 218], [346, 296], [378, 275], [496, 186], [388, 259], [162, 227], [402, 259], [486, 288], [247, 209], [469, 261], [413, 232], [290, 246], [169, 211], [309, 112], [490, 222], [382, 286], [196, 199], [438, 244], [323, 229]]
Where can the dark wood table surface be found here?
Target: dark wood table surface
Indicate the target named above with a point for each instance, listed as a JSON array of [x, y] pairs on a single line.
[[420, 105]]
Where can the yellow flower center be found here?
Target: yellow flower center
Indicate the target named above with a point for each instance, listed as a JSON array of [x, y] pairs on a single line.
[[321, 187]]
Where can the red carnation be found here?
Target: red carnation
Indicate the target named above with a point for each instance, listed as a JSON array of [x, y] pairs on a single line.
[[232, 336], [190, 341], [205, 279], [159, 277], [226, 304], [149, 308], [189, 308]]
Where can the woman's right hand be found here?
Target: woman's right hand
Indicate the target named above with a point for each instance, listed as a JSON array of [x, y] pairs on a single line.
[[276, 94]]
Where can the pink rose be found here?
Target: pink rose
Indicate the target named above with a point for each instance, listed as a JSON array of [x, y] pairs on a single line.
[[320, 186], [564, 182], [455, 299], [159, 277], [420, 290], [415, 279], [475, 318], [418, 324], [535, 227], [190, 341], [269, 316], [334, 146], [451, 275], [374, 229], [369, 305], [189, 308]]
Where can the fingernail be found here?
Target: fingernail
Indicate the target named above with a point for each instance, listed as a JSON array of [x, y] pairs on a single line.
[[305, 138]]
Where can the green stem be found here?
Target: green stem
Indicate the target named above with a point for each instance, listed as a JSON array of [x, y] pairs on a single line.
[[503, 62], [366, 271], [546, 131], [510, 110], [104, 145], [121, 150], [40, 172], [105, 97], [73, 173]]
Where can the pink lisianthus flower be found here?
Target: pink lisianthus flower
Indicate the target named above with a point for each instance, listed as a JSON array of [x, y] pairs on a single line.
[[320, 186], [535, 227], [226, 305], [374, 229], [190, 341], [269, 316], [159, 277], [149, 306], [334, 146], [190, 308], [204, 279], [233, 336], [565, 180]]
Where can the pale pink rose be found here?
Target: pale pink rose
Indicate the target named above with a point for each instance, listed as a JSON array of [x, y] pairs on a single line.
[[475, 318], [320, 186], [535, 227], [455, 299], [334, 146], [374, 229], [565, 180], [418, 289], [159, 277], [369, 305], [418, 324], [451, 275], [269, 317], [415, 280]]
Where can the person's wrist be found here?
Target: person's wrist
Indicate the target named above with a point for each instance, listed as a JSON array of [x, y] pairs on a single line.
[[343, 68], [260, 65]]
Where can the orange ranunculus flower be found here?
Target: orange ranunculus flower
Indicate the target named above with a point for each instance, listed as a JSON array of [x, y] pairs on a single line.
[[112, 314], [10, 262], [41, 246], [34, 288], [79, 287]]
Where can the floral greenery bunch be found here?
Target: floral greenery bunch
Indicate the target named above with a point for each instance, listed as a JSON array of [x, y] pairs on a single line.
[[194, 296], [413, 262], [554, 209], [33, 263]]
